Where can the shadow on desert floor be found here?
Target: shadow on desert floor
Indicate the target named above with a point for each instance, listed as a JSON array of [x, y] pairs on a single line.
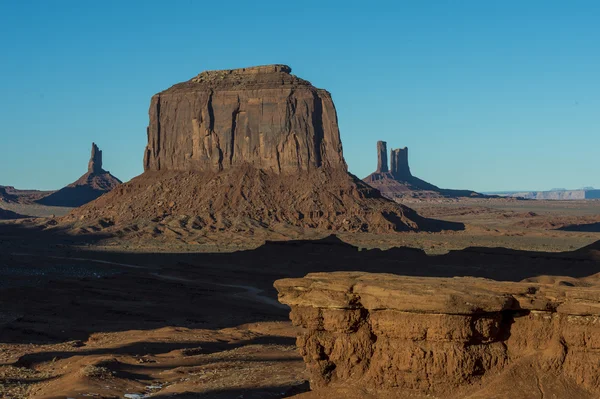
[[146, 291]]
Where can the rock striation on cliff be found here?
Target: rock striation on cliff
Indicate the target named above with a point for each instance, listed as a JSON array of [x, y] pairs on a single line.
[[397, 181], [88, 187], [246, 150], [446, 337], [263, 116]]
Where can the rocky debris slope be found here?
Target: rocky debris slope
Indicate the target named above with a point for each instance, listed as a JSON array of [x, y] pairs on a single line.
[[245, 200], [447, 337], [88, 187], [245, 150], [398, 182]]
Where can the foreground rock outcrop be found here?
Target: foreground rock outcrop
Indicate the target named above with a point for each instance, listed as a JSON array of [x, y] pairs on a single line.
[[88, 187], [398, 182], [245, 150], [447, 337]]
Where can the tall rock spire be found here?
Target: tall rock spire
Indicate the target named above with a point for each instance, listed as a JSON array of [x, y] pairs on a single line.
[[382, 160], [399, 164], [95, 164]]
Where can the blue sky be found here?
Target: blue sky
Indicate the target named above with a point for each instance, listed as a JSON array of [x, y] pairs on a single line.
[[487, 95]]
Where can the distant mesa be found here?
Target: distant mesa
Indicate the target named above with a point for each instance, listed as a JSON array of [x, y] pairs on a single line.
[[246, 150], [88, 187], [586, 193], [398, 182], [6, 195]]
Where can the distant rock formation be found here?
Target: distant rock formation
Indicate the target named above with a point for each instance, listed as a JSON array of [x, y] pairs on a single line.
[[88, 187], [246, 150], [5, 214], [398, 182], [446, 337], [95, 164], [9, 194], [558, 195], [6, 195], [382, 160]]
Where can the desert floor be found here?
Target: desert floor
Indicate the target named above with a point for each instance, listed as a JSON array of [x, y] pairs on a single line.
[[92, 316]]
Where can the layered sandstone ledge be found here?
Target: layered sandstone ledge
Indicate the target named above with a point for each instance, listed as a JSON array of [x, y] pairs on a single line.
[[441, 335]]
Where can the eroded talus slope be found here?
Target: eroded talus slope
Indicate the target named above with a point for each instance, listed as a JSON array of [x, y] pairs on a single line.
[[245, 199], [447, 337]]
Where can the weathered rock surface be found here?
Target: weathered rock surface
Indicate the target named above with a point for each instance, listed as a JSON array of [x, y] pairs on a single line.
[[397, 182], [447, 337], [88, 187], [9, 195], [6, 195], [95, 164], [263, 116], [382, 161], [246, 150]]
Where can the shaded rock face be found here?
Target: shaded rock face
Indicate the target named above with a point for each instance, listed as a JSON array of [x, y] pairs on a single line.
[[399, 164], [382, 160], [6, 195], [95, 164], [397, 182], [445, 336], [88, 187], [263, 116]]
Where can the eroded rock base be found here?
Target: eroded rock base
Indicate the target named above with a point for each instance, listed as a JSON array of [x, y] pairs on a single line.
[[445, 336]]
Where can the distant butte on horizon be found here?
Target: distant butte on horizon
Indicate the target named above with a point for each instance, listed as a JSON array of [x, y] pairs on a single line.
[[397, 181], [88, 187]]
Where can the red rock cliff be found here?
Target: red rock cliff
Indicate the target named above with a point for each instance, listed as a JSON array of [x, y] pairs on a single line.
[[263, 116]]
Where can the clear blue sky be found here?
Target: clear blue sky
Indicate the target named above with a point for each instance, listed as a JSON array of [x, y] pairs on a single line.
[[487, 95]]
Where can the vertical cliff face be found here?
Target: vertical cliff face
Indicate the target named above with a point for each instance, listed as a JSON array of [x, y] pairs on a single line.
[[399, 163], [95, 163], [382, 160], [262, 116]]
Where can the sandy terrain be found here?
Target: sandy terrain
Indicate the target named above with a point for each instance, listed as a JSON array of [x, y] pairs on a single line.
[[96, 316]]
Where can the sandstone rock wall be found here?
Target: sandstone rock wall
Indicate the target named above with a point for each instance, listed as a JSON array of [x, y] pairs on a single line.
[[382, 159], [95, 163], [262, 116], [440, 336], [399, 164]]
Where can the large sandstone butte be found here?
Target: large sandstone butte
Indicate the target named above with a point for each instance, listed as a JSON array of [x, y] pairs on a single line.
[[262, 116], [88, 187], [397, 182], [446, 337], [245, 150]]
